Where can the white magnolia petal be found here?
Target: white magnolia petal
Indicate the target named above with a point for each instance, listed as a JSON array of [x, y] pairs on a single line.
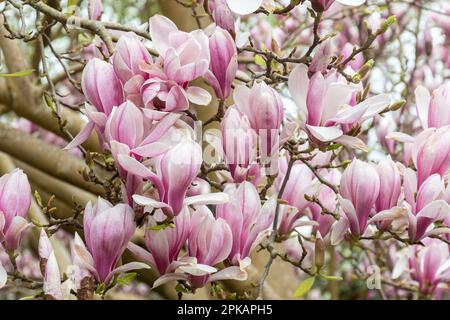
[[209, 198], [244, 7], [198, 269], [325, 134]]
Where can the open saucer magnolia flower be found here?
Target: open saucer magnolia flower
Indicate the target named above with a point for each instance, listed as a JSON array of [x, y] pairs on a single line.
[[210, 243], [176, 170], [323, 106], [164, 245], [249, 222], [107, 231]]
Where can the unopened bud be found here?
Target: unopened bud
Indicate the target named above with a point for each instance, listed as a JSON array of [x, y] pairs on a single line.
[[386, 24], [365, 69], [397, 105], [319, 251]]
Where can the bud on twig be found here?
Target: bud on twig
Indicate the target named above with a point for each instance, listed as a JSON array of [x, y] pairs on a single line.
[[319, 251]]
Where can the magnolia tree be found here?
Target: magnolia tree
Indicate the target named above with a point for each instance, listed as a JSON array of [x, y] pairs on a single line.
[[225, 149]]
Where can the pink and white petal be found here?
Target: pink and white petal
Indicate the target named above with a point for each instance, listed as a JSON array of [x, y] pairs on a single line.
[[160, 28], [298, 84], [141, 253], [52, 278], [354, 3], [244, 7], [325, 134], [151, 150], [338, 231], [350, 212], [436, 210], [198, 269], [81, 137], [230, 273], [375, 105], [423, 99], [199, 96], [400, 137], [352, 142], [149, 202], [3, 276], [125, 268], [209, 198], [168, 278]]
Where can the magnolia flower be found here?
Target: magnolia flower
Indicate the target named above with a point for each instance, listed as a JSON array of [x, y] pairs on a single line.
[[433, 109], [264, 109], [237, 144], [129, 55], [95, 9], [101, 86], [165, 245], [429, 264], [223, 65], [185, 55], [249, 222], [15, 200], [107, 231], [431, 152], [210, 243], [359, 189], [176, 170], [323, 106]]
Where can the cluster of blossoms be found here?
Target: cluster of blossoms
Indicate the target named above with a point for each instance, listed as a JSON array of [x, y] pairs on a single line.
[[195, 205]]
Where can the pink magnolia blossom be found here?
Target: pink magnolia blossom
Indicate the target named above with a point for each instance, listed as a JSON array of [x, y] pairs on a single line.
[[185, 55], [431, 153], [101, 86], [15, 200], [130, 53], [248, 221], [95, 9], [210, 243], [222, 15], [238, 143], [107, 231], [429, 265], [176, 170], [360, 186], [164, 245], [323, 106], [264, 109], [223, 65], [433, 109]]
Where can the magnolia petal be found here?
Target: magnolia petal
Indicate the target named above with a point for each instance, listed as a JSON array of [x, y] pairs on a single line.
[[423, 99], [199, 96], [400, 137], [244, 7], [3, 276], [352, 142], [168, 278], [125, 268], [338, 231], [354, 3], [325, 134], [230, 273], [436, 210], [141, 253], [52, 279], [198, 269], [149, 202], [81, 137], [209, 198]]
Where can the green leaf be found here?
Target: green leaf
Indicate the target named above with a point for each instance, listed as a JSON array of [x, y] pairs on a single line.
[[260, 61], [333, 146], [331, 278], [100, 288], [38, 198], [17, 74], [304, 287], [162, 226], [126, 278]]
